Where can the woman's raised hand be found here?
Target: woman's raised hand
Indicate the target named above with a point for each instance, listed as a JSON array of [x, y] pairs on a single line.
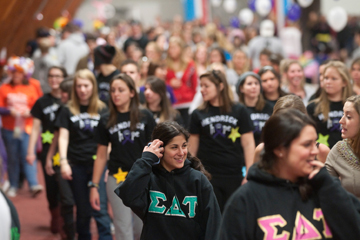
[[155, 148]]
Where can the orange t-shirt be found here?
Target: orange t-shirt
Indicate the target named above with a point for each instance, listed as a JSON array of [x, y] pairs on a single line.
[[22, 98]]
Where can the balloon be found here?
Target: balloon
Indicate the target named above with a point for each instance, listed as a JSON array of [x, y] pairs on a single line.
[[216, 3], [235, 22], [246, 16], [337, 18], [229, 6], [305, 3], [294, 12], [263, 7], [251, 4]]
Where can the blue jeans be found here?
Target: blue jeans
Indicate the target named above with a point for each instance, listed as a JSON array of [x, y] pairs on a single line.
[[81, 175], [16, 151]]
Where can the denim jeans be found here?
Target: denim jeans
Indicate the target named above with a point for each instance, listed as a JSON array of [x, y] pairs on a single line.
[[81, 175], [16, 151]]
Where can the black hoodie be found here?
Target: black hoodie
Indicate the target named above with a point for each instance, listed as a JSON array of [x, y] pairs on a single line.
[[271, 208], [173, 205]]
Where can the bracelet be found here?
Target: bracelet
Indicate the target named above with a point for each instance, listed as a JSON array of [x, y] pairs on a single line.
[[63, 158]]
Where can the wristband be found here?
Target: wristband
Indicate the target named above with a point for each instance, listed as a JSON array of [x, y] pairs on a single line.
[[91, 184]]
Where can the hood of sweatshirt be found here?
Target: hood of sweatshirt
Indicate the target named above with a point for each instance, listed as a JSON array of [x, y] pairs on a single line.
[[77, 38]]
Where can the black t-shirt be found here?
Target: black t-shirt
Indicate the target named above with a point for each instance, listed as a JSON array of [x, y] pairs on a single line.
[[259, 118], [220, 147], [126, 145], [46, 110], [82, 145], [104, 86], [329, 132], [177, 118]]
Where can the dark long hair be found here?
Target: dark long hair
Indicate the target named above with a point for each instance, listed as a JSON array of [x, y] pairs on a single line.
[[166, 131], [134, 102], [277, 76], [279, 131], [158, 86]]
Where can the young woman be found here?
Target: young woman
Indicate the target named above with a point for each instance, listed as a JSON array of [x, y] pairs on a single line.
[[293, 102], [201, 58], [295, 79], [44, 113], [222, 136], [270, 83], [240, 62], [355, 75], [169, 190], [248, 88], [77, 149], [321, 81], [16, 100], [343, 159], [290, 195], [328, 108], [127, 129], [217, 55], [181, 76], [158, 102]]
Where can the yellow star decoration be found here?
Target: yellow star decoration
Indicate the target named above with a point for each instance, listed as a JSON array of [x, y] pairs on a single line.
[[56, 160], [120, 176], [323, 139], [234, 134], [47, 137]]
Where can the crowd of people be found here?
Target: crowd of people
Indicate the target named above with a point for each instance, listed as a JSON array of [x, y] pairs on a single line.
[[188, 132]]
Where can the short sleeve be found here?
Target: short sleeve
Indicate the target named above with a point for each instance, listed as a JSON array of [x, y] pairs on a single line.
[[194, 126], [36, 111], [63, 119], [102, 133], [244, 121]]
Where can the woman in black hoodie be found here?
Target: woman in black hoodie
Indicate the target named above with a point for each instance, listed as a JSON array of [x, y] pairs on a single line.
[[169, 190], [290, 195]]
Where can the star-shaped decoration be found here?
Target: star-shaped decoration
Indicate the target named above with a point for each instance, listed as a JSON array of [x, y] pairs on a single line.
[[56, 160], [47, 137], [323, 139], [234, 134], [120, 176], [94, 157]]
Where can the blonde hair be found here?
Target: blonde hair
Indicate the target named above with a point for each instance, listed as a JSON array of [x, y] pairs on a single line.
[[355, 142], [94, 102], [323, 102], [169, 61]]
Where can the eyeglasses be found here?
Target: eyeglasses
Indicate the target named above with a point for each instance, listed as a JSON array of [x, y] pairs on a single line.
[[55, 76]]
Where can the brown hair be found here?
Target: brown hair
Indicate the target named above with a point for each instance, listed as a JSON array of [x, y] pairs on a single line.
[[169, 61], [134, 102], [166, 131], [153, 66], [217, 77], [260, 103], [356, 61], [266, 69], [289, 101], [158, 86], [94, 102], [355, 142], [322, 102]]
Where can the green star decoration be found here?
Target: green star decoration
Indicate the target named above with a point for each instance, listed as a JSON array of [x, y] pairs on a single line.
[[94, 157], [234, 134], [47, 137], [323, 139]]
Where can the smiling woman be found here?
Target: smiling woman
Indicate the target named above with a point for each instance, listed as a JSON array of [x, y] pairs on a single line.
[[172, 196], [343, 159], [289, 194]]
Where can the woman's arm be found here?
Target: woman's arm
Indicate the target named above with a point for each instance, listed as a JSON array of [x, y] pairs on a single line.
[[31, 156], [134, 190], [340, 208], [51, 152], [194, 144], [65, 168], [248, 144], [99, 165]]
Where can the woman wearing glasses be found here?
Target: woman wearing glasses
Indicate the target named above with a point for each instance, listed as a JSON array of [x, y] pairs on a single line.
[[221, 136]]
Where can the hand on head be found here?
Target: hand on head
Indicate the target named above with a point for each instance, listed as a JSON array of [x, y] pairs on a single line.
[[155, 148]]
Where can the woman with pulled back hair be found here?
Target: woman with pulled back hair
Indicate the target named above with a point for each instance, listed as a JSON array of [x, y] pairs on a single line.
[[169, 189], [289, 194]]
